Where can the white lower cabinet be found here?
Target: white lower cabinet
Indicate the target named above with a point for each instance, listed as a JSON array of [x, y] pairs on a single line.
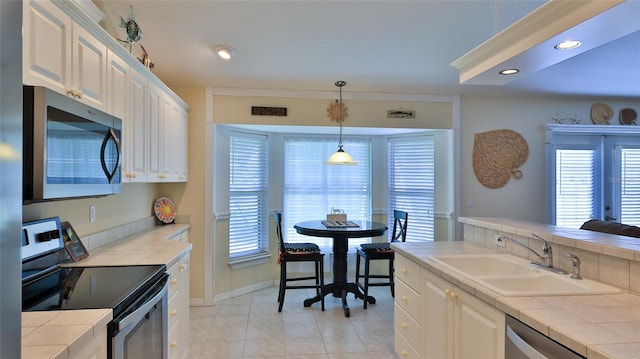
[[435, 319], [178, 308], [407, 308], [458, 325]]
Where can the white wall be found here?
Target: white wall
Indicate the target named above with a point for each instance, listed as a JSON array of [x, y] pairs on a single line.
[[519, 198]]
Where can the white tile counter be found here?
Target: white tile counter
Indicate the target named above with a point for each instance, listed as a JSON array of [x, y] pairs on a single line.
[[61, 334], [149, 247], [596, 326]]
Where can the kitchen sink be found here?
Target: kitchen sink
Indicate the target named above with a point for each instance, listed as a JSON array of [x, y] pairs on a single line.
[[486, 264], [512, 276]]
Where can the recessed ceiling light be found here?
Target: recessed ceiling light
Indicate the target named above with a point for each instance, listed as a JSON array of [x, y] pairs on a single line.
[[567, 45], [225, 52], [509, 72]]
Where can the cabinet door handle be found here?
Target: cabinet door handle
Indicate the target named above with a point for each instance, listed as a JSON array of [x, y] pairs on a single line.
[[183, 267], [174, 281], [404, 270], [404, 298], [404, 353], [447, 291], [452, 295], [174, 313], [173, 344], [403, 325]]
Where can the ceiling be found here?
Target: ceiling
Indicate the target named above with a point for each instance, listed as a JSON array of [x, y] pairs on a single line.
[[375, 46]]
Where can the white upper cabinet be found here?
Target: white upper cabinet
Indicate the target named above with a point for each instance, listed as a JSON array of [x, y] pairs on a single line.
[[118, 85], [67, 52], [61, 55], [89, 66], [46, 49], [136, 142], [155, 133]]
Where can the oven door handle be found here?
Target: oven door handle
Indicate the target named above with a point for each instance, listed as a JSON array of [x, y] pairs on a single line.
[[140, 312]]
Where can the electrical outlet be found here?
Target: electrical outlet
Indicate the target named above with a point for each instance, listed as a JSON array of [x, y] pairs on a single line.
[[470, 203], [499, 241], [92, 213]]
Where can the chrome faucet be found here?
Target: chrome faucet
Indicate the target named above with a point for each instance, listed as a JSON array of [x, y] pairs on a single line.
[[546, 259], [575, 262]]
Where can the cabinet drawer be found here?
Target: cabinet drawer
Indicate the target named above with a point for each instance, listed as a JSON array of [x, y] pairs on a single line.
[[407, 326], [173, 309], [407, 271], [404, 350], [408, 299], [174, 280], [174, 341]]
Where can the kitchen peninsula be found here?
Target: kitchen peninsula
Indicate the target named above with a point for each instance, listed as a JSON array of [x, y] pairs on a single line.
[[594, 326]]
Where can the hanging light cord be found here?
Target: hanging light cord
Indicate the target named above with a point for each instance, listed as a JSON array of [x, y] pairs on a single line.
[[340, 84]]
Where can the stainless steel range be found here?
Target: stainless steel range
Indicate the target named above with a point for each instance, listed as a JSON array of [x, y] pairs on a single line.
[[137, 294]]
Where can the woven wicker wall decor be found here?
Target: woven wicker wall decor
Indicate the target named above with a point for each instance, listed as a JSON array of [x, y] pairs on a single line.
[[497, 155]]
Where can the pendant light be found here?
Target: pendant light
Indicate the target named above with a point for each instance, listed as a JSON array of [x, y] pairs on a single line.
[[337, 111]]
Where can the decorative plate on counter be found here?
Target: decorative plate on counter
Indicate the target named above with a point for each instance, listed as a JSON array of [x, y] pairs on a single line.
[[165, 210]]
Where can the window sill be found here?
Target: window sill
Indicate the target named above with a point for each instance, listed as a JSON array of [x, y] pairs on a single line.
[[249, 261]]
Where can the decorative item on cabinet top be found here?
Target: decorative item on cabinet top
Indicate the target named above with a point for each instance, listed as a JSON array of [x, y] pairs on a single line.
[[567, 120], [628, 116], [601, 113], [134, 33], [165, 210], [497, 155]]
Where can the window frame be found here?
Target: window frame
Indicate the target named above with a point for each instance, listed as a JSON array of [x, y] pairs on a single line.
[[607, 141], [422, 224], [261, 192], [362, 157]]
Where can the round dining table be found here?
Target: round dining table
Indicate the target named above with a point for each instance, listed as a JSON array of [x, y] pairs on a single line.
[[340, 286]]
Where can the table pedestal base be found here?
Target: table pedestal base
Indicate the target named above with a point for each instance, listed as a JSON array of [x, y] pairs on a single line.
[[340, 291]]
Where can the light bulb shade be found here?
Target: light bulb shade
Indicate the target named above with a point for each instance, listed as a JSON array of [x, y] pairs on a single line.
[[340, 158]]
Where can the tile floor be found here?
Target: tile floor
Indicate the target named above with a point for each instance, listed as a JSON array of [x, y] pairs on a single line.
[[250, 326]]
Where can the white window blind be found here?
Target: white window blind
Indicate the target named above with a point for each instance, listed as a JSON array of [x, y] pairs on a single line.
[[629, 186], [575, 186], [312, 188], [248, 185], [412, 183]]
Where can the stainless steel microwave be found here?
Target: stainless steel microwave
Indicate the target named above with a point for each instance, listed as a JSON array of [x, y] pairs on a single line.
[[70, 149]]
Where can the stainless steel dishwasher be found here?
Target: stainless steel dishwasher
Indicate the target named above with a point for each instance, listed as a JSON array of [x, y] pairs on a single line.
[[524, 342]]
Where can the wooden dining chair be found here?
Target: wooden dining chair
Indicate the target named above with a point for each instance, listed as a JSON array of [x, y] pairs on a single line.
[[380, 251], [298, 252]]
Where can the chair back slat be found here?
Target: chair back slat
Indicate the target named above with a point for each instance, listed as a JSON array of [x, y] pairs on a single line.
[[400, 219], [277, 216]]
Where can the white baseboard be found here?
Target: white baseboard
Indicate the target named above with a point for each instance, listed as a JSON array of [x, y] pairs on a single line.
[[234, 293], [196, 302]]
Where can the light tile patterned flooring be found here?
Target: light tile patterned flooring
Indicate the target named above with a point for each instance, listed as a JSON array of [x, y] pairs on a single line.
[[250, 326]]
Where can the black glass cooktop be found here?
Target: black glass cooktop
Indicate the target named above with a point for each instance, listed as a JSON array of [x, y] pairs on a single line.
[[88, 287]]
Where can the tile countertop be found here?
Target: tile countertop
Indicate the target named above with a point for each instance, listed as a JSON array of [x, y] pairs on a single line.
[[596, 326], [58, 334], [147, 247]]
